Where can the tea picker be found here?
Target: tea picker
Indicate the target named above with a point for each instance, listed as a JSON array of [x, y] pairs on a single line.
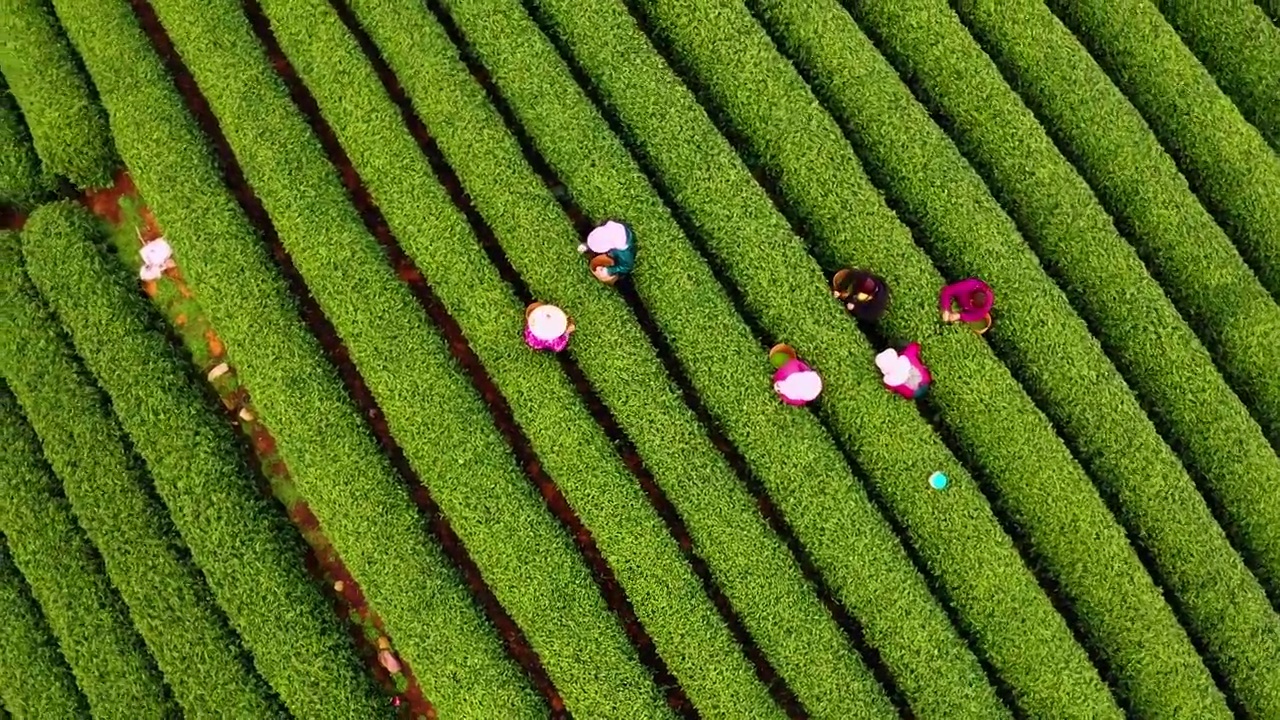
[[861, 293], [547, 327], [904, 372], [157, 256], [967, 301], [614, 248], [794, 381]]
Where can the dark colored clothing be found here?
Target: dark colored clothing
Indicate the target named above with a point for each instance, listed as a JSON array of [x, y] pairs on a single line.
[[853, 282], [624, 260]]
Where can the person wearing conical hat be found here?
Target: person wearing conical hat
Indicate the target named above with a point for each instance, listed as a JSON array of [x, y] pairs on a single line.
[[863, 294], [547, 327], [904, 372], [794, 381], [967, 301], [157, 257], [614, 246]]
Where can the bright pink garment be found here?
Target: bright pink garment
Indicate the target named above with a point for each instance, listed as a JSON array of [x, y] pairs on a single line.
[[904, 372], [537, 343], [796, 383], [972, 295]]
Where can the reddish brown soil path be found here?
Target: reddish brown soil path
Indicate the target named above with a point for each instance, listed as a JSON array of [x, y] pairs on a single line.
[[12, 218], [132, 224]]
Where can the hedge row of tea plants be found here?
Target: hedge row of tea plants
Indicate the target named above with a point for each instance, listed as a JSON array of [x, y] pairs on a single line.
[[1191, 257], [993, 420], [454, 447], [364, 509], [573, 450], [1116, 152], [1224, 451], [1240, 47], [64, 571], [114, 501], [1051, 350], [249, 554], [34, 678], [66, 121], [746, 558], [784, 288], [23, 181], [1226, 159]]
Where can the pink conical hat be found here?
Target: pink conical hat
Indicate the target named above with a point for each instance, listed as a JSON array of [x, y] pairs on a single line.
[[611, 235]]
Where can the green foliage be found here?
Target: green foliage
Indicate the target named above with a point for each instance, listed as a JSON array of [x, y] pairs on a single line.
[[1228, 162], [1271, 8], [957, 536], [749, 562], [34, 678], [23, 181], [1049, 348], [66, 121], [794, 458], [1168, 417], [65, 573], [455, 447], [1241, 48], [349, 485], [250, 555], [666, 595], [1190, 256], [1223, 448], [112, 498], [1111, 145]]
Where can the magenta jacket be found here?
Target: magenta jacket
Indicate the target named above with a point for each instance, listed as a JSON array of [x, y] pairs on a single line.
[[972, 295]]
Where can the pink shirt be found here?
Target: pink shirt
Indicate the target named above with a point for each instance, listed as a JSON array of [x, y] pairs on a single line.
[[962, 293], [537, 343]]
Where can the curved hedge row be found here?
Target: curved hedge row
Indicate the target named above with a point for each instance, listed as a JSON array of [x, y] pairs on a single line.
[[1194, 261], [34, 678], [23, 181], [248, 553], [95, 633], [455, 449], [365, 511], [1121, 610], [1051, 347], [749, 561], [66, 121], [1241, 48], [788, 451], [1224, 450], [965, 548], [111, 495], [666, 595], [1227, 161]]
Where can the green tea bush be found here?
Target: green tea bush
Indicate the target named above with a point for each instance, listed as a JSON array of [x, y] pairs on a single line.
[[574, 452], [34, 678], [1241, 48], [348, 483], [1227, 161], [113, 499], [67, 123], [64, 571], [23, 181], [250, 555]]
